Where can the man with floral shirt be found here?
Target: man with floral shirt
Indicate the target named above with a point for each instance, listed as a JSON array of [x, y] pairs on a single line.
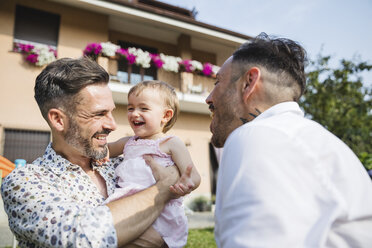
[[57, 200]]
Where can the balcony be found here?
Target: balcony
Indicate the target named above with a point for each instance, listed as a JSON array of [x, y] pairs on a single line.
[[192, 89]]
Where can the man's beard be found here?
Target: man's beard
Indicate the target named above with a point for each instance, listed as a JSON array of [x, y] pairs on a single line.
[[219, 132], [82, 144], [224, 120]]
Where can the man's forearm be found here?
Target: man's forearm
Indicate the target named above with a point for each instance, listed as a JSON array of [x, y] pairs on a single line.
[[132, 215]]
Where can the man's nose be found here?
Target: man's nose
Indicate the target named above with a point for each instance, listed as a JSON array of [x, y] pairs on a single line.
[[208, 100], [110, 122]]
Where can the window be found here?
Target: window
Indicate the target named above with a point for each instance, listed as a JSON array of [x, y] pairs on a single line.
[[36, 26], [133, 74], [215, 155], [25, 144]]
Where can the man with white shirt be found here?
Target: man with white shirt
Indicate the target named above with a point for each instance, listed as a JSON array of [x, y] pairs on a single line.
[[284, 180]]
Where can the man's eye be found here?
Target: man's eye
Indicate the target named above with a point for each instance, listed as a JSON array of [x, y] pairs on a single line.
[[144, 109], [130, 109]]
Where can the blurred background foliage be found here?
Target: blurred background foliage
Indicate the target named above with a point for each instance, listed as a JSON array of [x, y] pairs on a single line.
[[338, 99]]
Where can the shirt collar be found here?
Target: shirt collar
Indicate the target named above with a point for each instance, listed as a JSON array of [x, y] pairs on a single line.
[[280, 108], [57, 164]]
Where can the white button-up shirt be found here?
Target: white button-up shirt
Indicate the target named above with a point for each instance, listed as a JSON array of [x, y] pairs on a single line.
[[54, 203], [285, 181]]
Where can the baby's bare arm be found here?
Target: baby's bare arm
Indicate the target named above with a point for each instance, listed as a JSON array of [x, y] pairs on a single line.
[[190, 178], [116, 148]]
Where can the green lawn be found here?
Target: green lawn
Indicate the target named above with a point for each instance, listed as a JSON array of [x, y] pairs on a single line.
[[198, 238], [201, 238]]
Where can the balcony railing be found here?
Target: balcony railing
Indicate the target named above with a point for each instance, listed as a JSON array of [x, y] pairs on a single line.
[[192, 89]]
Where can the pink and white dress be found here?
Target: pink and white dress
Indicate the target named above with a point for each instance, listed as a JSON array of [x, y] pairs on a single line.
[[134, 175]]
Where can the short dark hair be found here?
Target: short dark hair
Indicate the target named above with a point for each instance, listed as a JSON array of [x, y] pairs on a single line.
[[59, 83], [282, 56]]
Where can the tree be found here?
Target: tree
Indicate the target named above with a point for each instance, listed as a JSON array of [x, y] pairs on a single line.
[[337, 99]]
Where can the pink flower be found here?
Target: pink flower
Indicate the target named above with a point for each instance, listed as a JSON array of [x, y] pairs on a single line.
[[122, 52], [131, 58], [51, 49], [93, 49], [27, 48], [155, 58], [55, 53], [23, 48], [207, 69], [186, 65], [32, 58]]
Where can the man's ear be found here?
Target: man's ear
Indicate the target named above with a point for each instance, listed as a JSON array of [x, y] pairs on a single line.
[[251, 81], [57, 119], [168, 114]]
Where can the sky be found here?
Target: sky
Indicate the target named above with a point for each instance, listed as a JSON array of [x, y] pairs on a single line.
[[339, 28]]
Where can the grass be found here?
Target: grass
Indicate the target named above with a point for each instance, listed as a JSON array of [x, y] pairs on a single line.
[[201, 238], [198, 238]]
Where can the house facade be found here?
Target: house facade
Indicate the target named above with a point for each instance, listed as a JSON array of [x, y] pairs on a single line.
[[67, 27]]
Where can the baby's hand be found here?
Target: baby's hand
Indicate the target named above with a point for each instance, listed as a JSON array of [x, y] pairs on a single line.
[[185, 184]]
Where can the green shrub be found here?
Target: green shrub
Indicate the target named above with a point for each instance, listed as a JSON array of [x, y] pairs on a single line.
[[200, 204], [366, 159]]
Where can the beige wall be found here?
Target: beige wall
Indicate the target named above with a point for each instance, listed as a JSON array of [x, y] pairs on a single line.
[[18, 77], [203, 57], [78, 28], [162, 47]]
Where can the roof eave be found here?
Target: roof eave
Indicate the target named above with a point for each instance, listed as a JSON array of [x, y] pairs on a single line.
[[187, 25]]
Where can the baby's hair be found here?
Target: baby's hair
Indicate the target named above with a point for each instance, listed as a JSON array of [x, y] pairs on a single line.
[[166, 91]]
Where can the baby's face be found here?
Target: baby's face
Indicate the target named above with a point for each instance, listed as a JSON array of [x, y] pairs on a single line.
[[146, 113]]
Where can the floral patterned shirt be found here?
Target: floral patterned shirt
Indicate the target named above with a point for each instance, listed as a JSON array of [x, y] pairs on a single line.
[[54, 203]]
